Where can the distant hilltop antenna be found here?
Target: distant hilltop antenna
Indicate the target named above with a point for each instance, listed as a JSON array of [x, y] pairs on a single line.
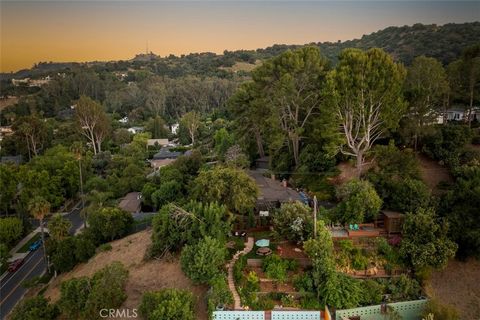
[[147, 48]]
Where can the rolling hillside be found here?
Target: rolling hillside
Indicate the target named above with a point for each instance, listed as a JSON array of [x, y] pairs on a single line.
[[444, 43]]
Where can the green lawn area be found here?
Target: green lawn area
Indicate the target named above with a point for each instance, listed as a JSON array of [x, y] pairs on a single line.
[[26, 246]]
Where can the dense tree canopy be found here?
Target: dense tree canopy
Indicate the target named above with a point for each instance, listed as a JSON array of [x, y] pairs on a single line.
[[84, 297], [292, 83], [332, 288], [425, 242], [204, 260], [11, 230], [366, 89], [167, 304], [460, 206], [426, 91], [174, 226], [294, 221], [58, 227], [359, 202], [36, 308], [107, 224], [229, 186]]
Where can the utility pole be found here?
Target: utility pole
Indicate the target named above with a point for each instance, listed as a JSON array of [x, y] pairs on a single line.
[[315, 217]]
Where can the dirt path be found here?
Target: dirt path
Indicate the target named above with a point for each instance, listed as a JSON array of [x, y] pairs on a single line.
[[458, 285], [143, 276], [432, 173]]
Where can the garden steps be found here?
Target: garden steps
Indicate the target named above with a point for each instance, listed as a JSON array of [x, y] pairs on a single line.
[[231, 282]]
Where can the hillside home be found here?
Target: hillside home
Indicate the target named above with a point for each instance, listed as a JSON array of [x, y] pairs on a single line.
[[157, 142], [458, 113], [135, 130], [132, 202]]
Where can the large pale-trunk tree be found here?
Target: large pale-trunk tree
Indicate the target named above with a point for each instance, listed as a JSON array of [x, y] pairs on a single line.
[[293, 84], [92, 121], [191, 121], [34, 131], [366, 92]]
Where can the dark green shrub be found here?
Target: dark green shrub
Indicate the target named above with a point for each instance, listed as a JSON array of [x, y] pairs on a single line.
[[219, 293], [107, 224], [275, 267], [372, 292], [310, 302], [359, 261], [167, 304], [238, 267], [303, 282], [203, 261], [73, 296], [63, 257], [293, 221], [84, 248], [11, 229], [262, 302], [447, 143], [36, 308]]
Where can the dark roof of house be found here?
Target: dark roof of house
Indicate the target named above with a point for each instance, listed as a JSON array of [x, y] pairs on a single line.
[[273, 190], [392, 214], [165, 153], [132, 202]]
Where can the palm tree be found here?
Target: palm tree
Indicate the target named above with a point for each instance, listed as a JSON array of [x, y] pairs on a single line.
[[39, 208], [58, 227]]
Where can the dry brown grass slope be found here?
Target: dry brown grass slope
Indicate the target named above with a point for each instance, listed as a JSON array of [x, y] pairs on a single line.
[[143, 275]]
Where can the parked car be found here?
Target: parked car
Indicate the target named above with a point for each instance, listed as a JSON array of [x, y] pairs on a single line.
[[14, 265], [34, 246]]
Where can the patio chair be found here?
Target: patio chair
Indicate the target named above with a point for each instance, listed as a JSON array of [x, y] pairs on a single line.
[[355, 227], [351, 227]]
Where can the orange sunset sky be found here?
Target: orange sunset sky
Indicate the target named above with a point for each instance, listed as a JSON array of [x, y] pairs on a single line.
[[33, 31]]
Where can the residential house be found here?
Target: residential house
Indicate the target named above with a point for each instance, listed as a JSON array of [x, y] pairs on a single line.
[[459, 113], [132, 202], [157, 142], [272, 192], [165, 153], [174, 128], [161, 159], [135, 130], [12, 159]]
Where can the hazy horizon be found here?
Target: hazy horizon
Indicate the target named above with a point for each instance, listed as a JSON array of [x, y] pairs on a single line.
[[79, 31]]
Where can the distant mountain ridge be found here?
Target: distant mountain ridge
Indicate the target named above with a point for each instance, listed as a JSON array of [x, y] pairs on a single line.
[[444, 43]]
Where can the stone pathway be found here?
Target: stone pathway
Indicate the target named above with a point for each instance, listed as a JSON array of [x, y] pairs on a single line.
[[231, 282]]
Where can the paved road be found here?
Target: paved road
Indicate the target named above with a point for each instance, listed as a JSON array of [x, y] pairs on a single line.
[[11, 289]]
